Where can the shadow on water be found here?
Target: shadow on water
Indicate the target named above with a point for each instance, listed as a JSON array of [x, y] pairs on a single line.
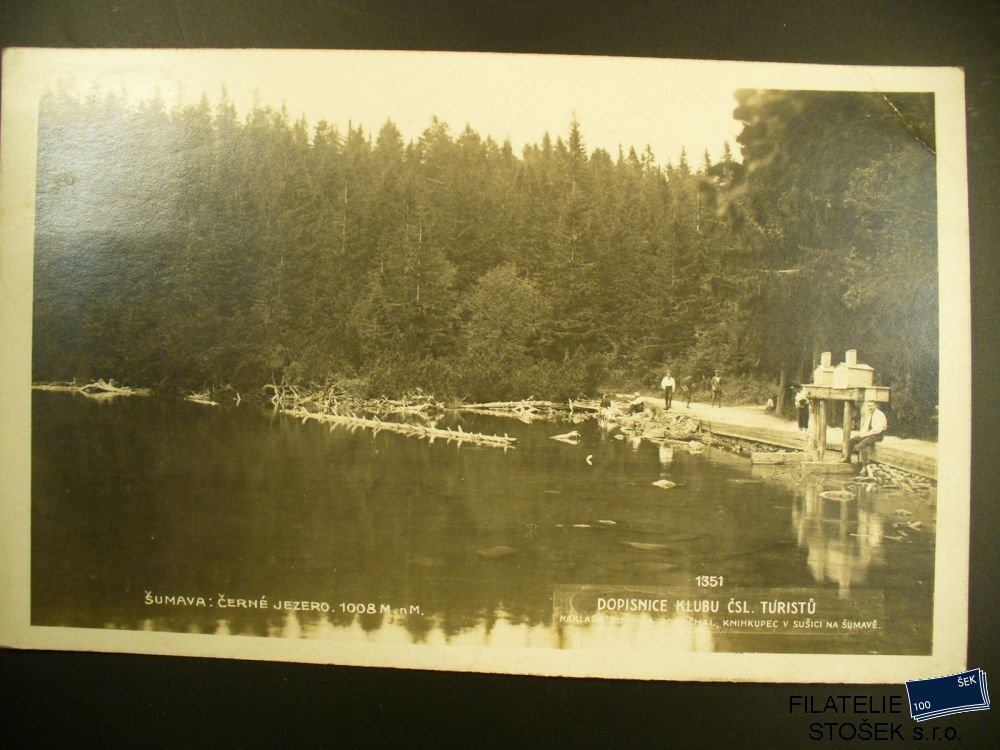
[[149, 514]]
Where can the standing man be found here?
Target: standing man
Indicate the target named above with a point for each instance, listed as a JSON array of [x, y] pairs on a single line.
[[667, 384], [607, 407], [717, 390], [802, 409], [871, 430], [686, 387]]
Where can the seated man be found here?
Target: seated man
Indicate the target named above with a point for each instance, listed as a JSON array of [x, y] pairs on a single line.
[[636, 405], [872, 430]]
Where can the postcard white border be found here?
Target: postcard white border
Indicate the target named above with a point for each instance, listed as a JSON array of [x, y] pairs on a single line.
[[26, 72]]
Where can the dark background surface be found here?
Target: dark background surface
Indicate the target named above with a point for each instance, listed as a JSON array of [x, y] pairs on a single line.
[[163, 701]]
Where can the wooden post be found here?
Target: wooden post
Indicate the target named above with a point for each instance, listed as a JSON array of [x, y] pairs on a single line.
[[816, 445], [811, 434], [848, 419], [779, 406], [821, 430], [812, 440]]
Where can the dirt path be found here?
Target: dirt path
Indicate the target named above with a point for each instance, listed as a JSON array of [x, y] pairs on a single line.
[[749, 416]]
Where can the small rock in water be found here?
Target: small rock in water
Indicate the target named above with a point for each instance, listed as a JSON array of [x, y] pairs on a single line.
[[837, 495], [568, 437], [581, 525], [608, 523], [495, 552], [645, 545], [902, 512], [664, 484]]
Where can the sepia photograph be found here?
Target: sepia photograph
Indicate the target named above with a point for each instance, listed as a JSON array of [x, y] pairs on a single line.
[[531, 364]]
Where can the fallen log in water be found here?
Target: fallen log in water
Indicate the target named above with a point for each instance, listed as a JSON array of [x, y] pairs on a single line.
[[55, 387], [99, 387], [201, 398], [103, 386], [387, 406], [416, 404], [411, 430], [525, 404], [526, 417]]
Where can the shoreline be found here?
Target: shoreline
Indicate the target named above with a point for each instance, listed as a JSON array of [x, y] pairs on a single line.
[[741, 423], [754, 424]]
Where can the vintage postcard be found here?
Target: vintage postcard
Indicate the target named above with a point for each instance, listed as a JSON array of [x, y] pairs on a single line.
[[627, 368]]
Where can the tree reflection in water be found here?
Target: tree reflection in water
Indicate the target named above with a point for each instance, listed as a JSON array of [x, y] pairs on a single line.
[[155, 496]]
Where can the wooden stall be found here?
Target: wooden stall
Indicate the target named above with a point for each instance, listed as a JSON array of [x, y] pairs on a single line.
[[849, 383]]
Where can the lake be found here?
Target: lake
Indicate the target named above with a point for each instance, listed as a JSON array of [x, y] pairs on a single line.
[[158, 514]]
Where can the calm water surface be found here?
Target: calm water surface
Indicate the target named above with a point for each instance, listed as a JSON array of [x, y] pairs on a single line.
[[142, 497]]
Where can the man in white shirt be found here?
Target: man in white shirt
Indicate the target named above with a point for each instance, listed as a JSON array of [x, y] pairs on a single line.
[[667, 384], [872, 429]]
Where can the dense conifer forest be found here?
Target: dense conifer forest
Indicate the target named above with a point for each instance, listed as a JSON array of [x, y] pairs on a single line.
[[191, 247]]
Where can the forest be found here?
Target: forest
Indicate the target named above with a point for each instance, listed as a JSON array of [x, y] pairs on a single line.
[[191, 247]]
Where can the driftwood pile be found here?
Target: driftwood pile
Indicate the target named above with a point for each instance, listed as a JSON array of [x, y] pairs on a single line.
[[406, 428], [334, 406], [333, 399], [314, 399], [531, 410]]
